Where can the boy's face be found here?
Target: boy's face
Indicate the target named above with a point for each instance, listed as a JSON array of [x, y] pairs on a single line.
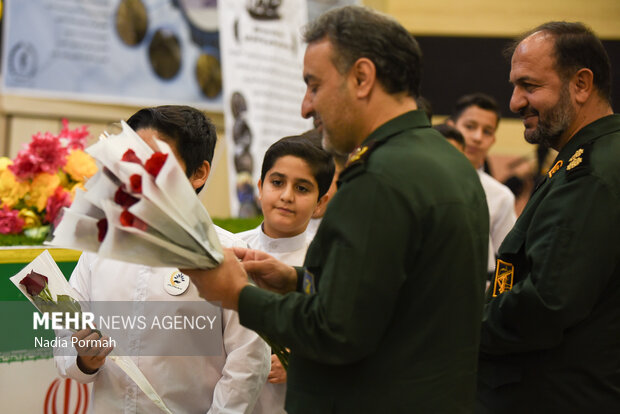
[[288, 197], [478, 128]]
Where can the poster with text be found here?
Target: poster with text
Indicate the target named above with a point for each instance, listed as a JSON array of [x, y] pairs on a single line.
[[138, 52], [263, 86]]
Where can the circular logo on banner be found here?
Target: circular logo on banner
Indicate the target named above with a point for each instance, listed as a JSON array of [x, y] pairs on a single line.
[[176, 283], [23, 60]]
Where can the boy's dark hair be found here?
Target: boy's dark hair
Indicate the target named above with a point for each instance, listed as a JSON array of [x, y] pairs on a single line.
[[320, 162], [449, 132], [356, 32], [316, 137], [576, 47], [481, 100], [192, 132]]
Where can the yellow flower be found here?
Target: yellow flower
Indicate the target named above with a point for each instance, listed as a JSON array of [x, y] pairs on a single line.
[[11, 190], [30, 218], [41, 189], [80, 166], [5, 162]]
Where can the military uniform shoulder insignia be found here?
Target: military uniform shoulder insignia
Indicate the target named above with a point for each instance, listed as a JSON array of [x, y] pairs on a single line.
[[575, 160], [579, 163], [356, 155], [555, 168]]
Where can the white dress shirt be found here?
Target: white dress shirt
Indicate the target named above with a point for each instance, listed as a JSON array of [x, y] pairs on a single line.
[[501, 203], [229, 383], [292, 251], [313, 226]]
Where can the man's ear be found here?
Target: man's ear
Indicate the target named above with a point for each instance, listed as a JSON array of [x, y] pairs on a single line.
[[321, 206], [364, 73], [199, 177], [450, 122], [583, 85]]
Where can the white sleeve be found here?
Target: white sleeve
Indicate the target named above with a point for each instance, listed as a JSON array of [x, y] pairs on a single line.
[[67, 364], [504, 219], [248, 361]]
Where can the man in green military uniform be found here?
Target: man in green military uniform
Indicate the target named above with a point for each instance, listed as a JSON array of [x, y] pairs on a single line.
[[386, 313], [550, 340]]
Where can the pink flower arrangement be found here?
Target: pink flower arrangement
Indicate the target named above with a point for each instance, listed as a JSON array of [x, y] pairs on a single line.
[[43, 154], [42, 179], [10, 222], [61, 198]]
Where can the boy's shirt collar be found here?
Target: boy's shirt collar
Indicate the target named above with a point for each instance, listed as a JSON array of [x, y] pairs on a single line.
[[283, 244]]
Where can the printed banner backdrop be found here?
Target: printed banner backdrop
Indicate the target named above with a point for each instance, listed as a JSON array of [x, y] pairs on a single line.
[[34, 387], [263, 86], [141, 52]]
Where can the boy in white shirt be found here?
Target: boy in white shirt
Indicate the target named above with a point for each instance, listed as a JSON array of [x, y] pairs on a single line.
[[188, 384], [295, 176], [477, 116]]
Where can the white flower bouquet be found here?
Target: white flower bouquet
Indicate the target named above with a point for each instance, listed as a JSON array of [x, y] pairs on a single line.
[[140, 208]]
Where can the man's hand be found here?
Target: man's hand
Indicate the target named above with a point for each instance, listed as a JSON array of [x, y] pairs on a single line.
[[224, 283], [277, 375], [268, 272], [90, 349]]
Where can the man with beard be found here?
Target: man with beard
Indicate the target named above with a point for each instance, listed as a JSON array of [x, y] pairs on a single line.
[[384, 316], [550, 339]]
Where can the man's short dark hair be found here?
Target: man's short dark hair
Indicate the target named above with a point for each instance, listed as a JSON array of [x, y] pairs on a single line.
[[576, 47], [320, 162], [478, 99], [358, 32], [191, 131], [450, 132]]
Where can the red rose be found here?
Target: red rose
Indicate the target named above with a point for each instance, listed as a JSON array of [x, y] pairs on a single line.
[[155, 163], [124, 199], [102, 228], [34, 283], [129, 220], [135, 183], [130, 156]]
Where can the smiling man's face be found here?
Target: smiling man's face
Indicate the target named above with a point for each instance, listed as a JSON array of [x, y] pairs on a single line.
[[540, 95]]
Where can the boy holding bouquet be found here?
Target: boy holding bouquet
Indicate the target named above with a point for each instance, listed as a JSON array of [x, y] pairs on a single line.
[[190, 384]]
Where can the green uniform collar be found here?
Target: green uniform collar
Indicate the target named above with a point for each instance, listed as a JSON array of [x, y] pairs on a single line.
[[357, 159], [408, 120], [591, 132]]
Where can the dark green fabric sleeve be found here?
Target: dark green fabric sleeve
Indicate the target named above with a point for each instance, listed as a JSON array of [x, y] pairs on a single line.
[[300, 278], [572, 249], [362, 259]]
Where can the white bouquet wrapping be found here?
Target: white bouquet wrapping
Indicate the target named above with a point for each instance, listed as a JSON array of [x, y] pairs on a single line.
[[42, 282], [139, 208]]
